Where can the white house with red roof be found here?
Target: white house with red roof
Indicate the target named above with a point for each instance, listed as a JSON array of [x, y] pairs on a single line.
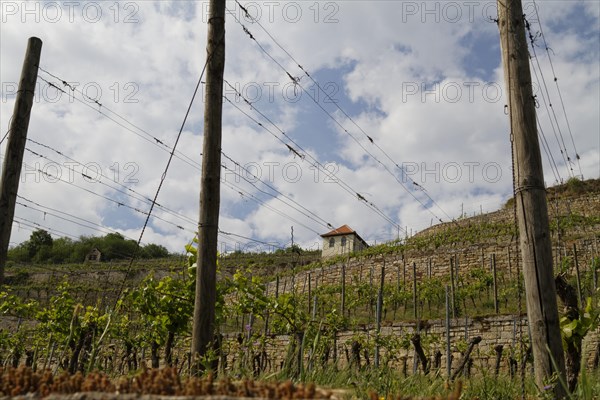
[[343, 240]]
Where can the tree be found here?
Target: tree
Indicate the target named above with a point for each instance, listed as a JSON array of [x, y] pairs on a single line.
[[19, 253], [62, 249], [155, 251], [38, 239], [115, 246]]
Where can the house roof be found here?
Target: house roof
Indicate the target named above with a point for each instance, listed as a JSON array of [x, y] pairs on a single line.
[[342, 230]]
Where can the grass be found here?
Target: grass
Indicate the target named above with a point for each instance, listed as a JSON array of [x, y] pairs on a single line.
[[390, 383]]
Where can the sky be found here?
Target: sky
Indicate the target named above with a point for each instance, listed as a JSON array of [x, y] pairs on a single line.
[[387, 116]]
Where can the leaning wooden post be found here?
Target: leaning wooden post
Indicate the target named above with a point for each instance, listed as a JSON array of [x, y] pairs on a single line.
[[13, 159], [530, 198]]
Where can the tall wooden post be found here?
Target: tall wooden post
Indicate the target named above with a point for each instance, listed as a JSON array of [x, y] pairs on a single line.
[[530, 197], [208, 225], [13, 159]]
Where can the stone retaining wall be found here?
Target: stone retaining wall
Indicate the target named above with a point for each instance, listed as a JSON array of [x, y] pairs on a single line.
[[506, 330]]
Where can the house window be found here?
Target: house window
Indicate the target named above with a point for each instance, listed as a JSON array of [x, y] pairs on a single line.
[[331, 242], [344, 241]]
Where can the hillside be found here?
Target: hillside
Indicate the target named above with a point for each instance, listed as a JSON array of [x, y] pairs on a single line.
[[574, 210], [369, 303]]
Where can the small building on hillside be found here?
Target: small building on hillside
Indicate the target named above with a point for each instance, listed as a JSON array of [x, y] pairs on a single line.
[[343, 240], [93, 256]]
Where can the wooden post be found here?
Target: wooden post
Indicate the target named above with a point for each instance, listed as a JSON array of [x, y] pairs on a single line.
[[13, 159], [208, 224], [448, 348], [370, 294], [493, 262], [266, 331], [456, 266], [594, 273], [293, 285], [578, 276], [530, 198], [429, 268], [452, 290], [397, 290], [415, 289], [379, 313], [482, 258], [343, 291], [309, 291]]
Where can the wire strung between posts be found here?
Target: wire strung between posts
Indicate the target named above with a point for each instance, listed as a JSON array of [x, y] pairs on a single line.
[[557, 87], [155, 141], [146, 137], [44, 210], [306, 212], [138, 196], [245, 194], [546, 147], [124, 205], [250, 239], [35, 225], [148, 200], [164, 175], [4, 137], [46, 213], [303, 154], [117, 202], [548, 105], [8, 131], [296, 81]]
